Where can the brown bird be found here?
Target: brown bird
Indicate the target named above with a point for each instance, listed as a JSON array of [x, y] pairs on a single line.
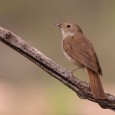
[[79, 50]]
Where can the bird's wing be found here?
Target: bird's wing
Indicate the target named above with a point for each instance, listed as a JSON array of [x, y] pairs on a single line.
[[81, 50]]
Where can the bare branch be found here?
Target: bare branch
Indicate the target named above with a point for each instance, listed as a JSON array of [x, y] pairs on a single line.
[[80, 87]]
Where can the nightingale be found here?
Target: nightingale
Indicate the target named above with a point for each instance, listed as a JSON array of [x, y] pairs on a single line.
[[79, 50]]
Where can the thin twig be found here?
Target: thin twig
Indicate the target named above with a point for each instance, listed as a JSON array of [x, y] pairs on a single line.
[[81, 88]]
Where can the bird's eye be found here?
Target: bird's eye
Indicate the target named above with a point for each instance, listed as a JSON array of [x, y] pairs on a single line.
[[68, 26]]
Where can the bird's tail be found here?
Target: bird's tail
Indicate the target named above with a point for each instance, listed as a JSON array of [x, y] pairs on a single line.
[[95, 84]]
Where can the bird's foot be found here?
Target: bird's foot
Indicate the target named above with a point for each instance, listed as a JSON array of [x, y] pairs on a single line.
[[75, 69]]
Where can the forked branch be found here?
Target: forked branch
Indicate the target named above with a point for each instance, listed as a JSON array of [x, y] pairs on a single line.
[[81, 88]]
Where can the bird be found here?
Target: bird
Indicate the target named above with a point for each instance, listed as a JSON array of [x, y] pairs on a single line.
[[79, 50]]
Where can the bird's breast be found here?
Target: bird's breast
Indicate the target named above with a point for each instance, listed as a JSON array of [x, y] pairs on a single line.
[[68, 56]]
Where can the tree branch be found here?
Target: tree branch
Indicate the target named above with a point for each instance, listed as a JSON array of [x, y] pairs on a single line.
[[81, 88]]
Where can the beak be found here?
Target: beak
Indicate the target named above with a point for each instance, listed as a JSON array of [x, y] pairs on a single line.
[[59, 25]]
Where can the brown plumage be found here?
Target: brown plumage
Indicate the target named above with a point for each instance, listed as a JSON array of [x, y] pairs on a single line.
[[79, 50]]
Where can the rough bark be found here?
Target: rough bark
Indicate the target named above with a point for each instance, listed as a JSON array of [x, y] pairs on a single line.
[[81, 88]]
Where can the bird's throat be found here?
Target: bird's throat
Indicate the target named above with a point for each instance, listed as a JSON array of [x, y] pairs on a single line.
[[65, 34]]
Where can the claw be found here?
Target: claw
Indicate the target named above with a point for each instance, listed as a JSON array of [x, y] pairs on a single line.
[[76, 69]]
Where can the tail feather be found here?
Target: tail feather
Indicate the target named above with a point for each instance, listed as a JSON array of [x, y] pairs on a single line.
[[95, 84]]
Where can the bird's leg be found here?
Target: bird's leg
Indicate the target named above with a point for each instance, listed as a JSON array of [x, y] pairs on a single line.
[[76, 69]]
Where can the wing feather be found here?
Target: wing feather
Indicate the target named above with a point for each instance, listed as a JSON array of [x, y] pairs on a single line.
[[81, 50]]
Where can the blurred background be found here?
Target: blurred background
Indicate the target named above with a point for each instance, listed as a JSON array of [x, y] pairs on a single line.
[[25, 89]]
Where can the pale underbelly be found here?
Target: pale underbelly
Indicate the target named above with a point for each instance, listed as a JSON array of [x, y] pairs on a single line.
[[70, 59]]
